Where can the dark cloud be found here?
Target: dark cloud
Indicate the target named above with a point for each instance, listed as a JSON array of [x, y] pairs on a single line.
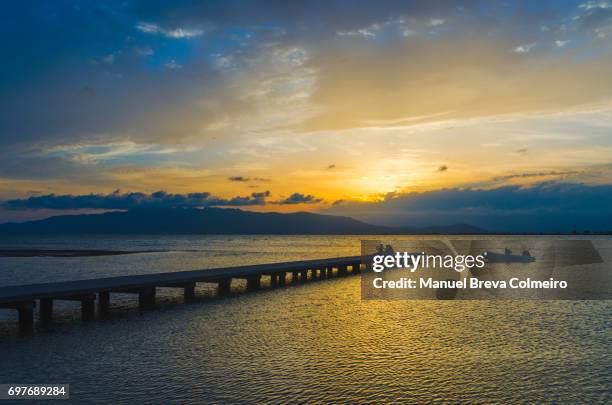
[[58, 52], [57, 90], [521, 151], [51, 81], [247, 179], [332, 166], [52, 45], [544, 207], [21, 165], [87, 91], [536, 174], [118, 200], [299, 198], [253, 199], [443, 168], [261, 195]]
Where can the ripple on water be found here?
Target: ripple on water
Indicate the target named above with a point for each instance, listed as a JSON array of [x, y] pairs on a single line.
[[321, 343]]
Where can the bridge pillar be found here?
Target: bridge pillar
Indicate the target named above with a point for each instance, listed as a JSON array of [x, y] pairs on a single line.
[[88, 309], [88, 304], [253, 283], [46, 310], [294, 277], [304, 276], [146, 298], [189, 292], [26, 316], [273, 280], [357, 268], [104, 303], [343, 270], [224, 286], [282, 278]]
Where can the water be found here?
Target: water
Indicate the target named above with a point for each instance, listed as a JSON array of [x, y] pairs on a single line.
[[316, 342], [179, 253]]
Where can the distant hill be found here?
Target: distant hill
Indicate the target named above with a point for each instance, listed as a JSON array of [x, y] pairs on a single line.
[[215, 221]]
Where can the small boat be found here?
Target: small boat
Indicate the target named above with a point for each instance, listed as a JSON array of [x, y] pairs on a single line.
[[508, 257], [384, 250]]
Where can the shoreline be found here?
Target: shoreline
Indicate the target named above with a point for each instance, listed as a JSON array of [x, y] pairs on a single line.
[[69, 252]]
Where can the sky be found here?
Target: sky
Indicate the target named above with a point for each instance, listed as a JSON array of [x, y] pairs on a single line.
[[359, 108]]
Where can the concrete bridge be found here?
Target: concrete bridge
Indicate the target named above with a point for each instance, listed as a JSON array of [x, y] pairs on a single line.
[[24, 298]]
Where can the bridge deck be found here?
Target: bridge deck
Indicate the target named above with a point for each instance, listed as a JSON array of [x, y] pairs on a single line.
[[23, 297]]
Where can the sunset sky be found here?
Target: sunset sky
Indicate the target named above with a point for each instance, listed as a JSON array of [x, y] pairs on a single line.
[[379, 110]]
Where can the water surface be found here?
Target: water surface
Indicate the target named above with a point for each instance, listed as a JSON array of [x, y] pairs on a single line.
[[316, 342]]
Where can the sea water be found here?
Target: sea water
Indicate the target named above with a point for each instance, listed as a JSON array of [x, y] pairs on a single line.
[[316, 342]]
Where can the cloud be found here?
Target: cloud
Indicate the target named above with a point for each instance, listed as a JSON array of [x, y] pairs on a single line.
[[176, 33], [393, 27], [247, 179], [90, 153], [352, 83], [87, 91], [253, 199], [261, 195], [172, 65], [280, 67], [148, 28], [146, 51], [524, 48], [21, 165], [598, 4], [443, 168], [332, 166], [536, 174], [544, 207], [522, 151], [110, 58], [348, 82], [561, 43], [121, 201], [367, 32], [298, 198]]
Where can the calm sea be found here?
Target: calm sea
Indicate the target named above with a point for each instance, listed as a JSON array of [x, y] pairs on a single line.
[[315, 343]]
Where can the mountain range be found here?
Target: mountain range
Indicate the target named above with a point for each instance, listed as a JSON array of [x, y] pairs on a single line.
[[216, 221]]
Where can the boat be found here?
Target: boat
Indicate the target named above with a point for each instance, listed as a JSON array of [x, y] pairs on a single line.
[[508, 257]]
